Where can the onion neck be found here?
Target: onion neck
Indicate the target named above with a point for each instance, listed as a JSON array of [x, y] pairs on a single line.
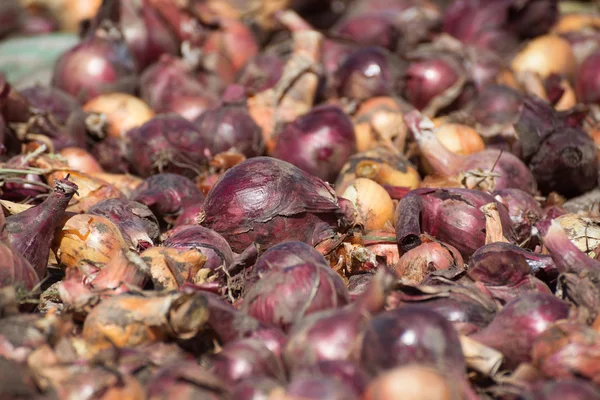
[[566, 255], [442, 160]]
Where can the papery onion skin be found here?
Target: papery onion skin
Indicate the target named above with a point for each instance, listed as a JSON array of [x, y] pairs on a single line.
[[374, 205], [364, 74], [411, 334], [15, 270], [523, 209], [261, 73], [283, 296], [30, 232], [268, 201], [318, 142]]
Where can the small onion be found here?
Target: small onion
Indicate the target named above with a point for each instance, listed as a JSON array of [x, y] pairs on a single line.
[[122, 111], [546, 55], [374, 204]]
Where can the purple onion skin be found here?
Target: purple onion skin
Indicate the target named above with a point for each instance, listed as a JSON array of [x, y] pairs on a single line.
[[568, 389], [210, 243], [561, 156], [60, 104], [189, 215], [374, 29], [268, 201], [523, 209], [284, 296], [111, 154], [14, 191], [318, 142], [135, 220], [568, 258], [169, 86], [101, 63], [166, 143], [533, 18], [255, 389], [450, 215], [262, 72], [588, 82], [364, 74], [246, 359], [30, 232], [349, 373], [15, 270], [411, 334], [187, 381], [308, 387], [229, 127], [286, 254], [167, 194], [497, 105], [519, 323]]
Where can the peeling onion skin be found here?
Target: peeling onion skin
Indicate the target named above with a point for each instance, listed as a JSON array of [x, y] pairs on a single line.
[[15, 270], [267, 201]]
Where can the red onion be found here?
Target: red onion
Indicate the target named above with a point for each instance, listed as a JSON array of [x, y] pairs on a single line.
[[101, 63], [229, 127], [284, 296], [335, 334], [210, 243], [30, 232], [319, 142], [416, 263], [136, 222], [268, 201], [523, 209], [255, 389], [347, 372], [169, 86], [588, 83], [186, 380], [15, 270], [364, 74], [566, 255], [519, 323], [111, 154], [502, 169], [167, 194], [166, 143], [497, 105], [411, 334], [562, 157], [452, 216], [373, 29], [287, 254], [567, 389], [246, 359], [261, 72], [307, 387]]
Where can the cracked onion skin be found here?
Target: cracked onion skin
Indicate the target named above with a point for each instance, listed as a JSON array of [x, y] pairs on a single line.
[[267, 201]]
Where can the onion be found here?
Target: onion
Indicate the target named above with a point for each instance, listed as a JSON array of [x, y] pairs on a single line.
[[268, 201], [563, 389], [126, 270], [562, 157], [347, 372], [374, 205], [16, 270], [186, 380], [135, 221], [80, 160], [121, 110], [284, 295], [87, 238], [306, 386], [169, 86], [228, 49], [411, 334], [546, 55], [167, 194], [417, 263], [411, 382], [364, 74], [216, 250], [318, 142], [378, 120], [588, 84], [246, 359], [166, 143], [229, 127], [255, 389], [124, 182], [101, 63], [30, 232], [491, 168], [111, 154], [261, 72], [519, 323], [171, 268], [523, 209], [497, 106], [452, 216], [373, 29]]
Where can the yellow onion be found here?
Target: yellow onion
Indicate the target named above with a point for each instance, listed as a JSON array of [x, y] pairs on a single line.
[[121, 110], [172, 267], [87, 238], [125, 183], [546, 55], [583, 231], [373, 203], [576, 22], [80, 160], [411, 382], [379, 120]]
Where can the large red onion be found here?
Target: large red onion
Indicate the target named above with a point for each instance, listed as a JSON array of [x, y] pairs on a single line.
[[364, 74], [166, 143], [318, 142], [519, 323], [285, 295], [268, 201], [169, 86], [229, 127], [261, 72], [101, 63], [411, 334], [30, 232], [452, 216]]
